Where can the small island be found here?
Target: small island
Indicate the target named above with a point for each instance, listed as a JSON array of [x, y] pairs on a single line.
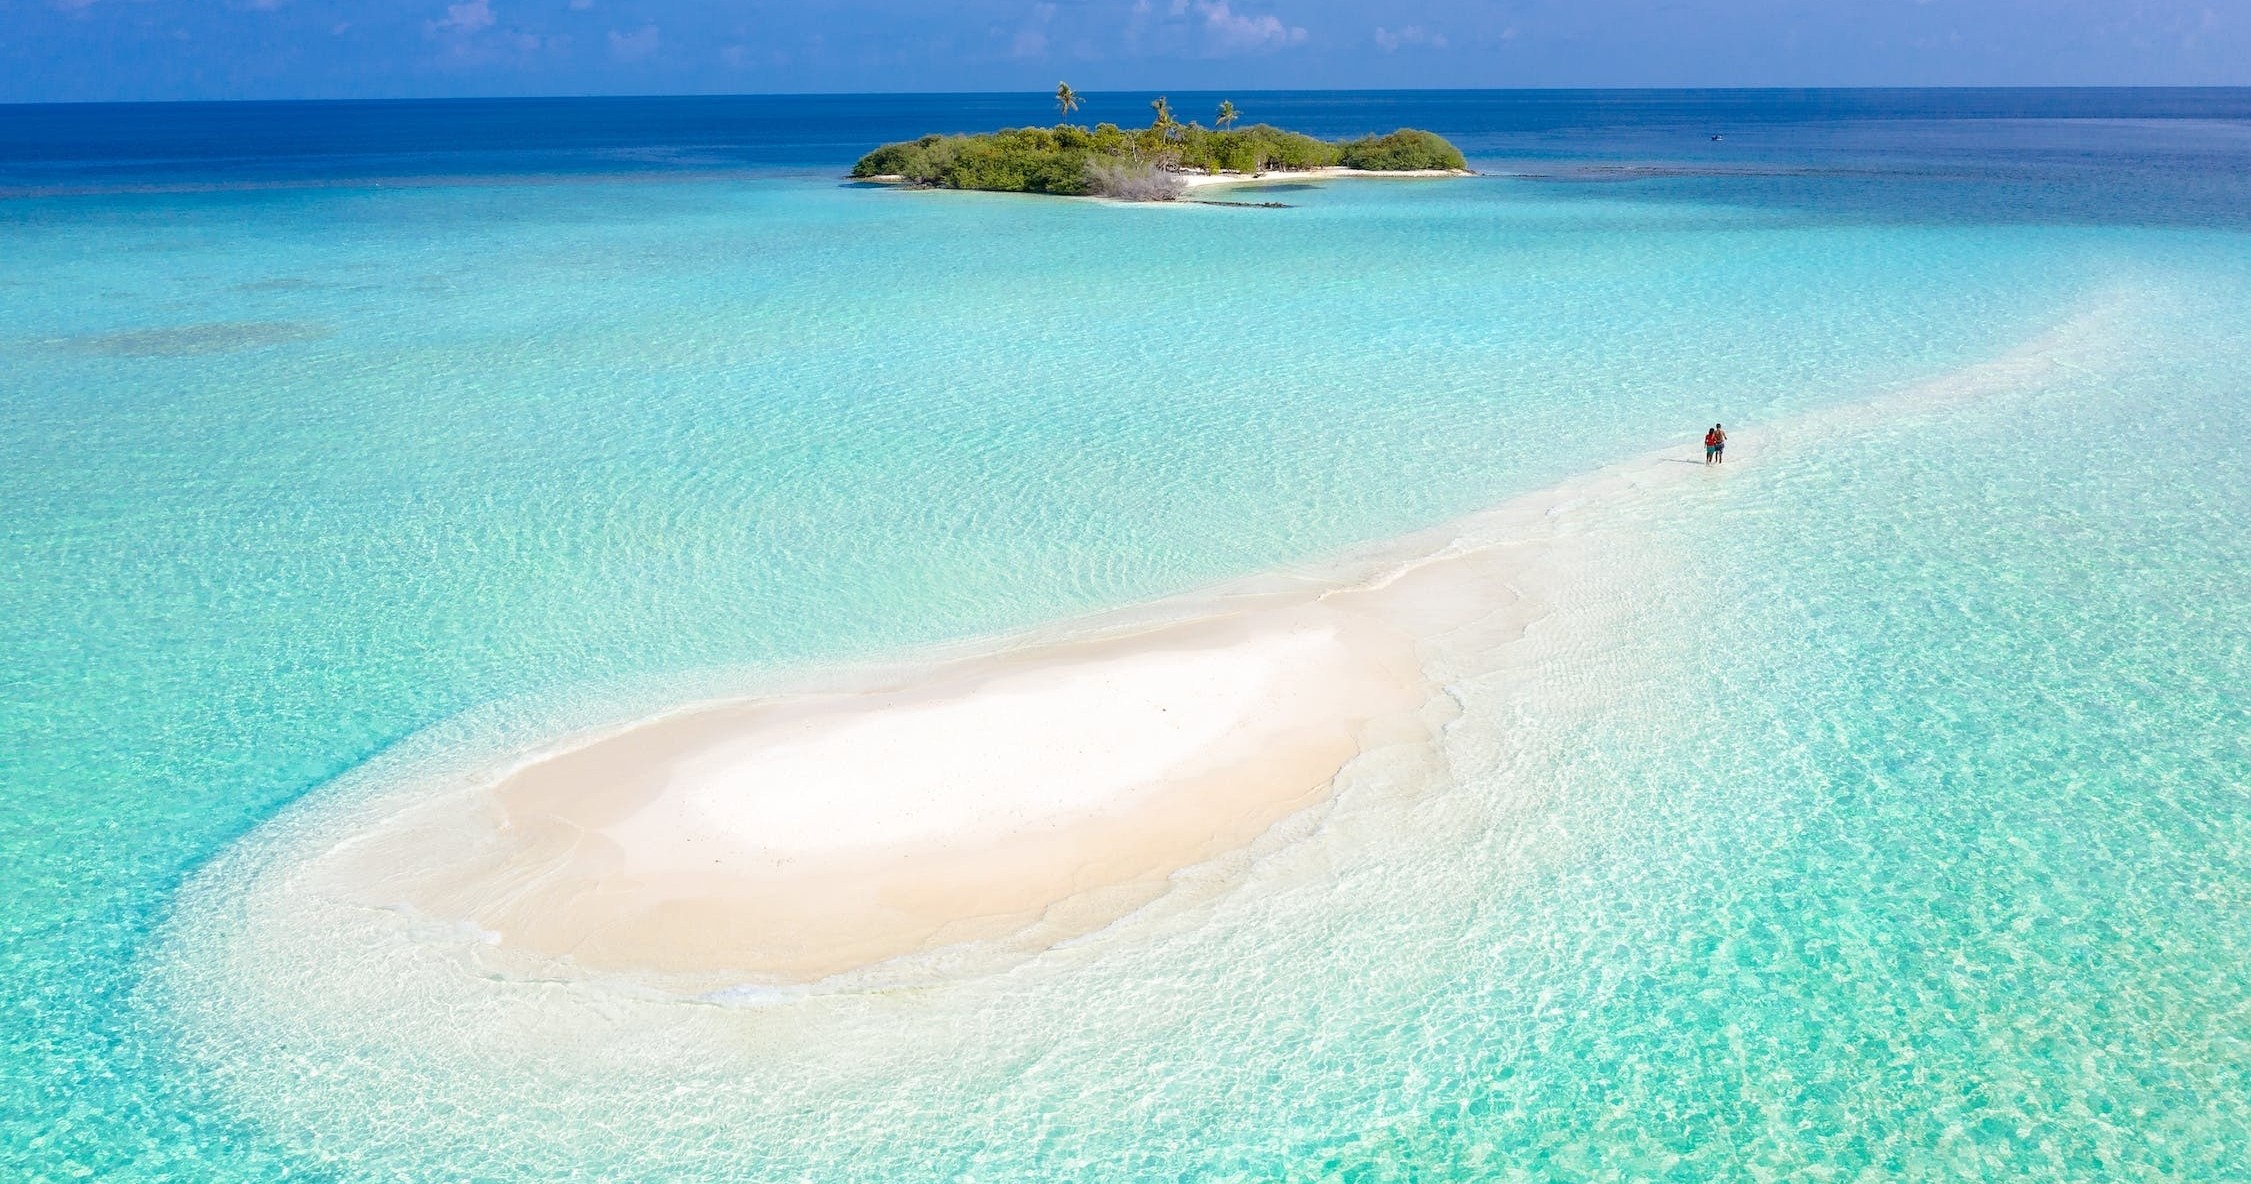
[[1156, 163]]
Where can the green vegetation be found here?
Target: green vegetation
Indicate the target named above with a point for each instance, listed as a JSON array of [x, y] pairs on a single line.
[[1141, 163], [1405, 149]]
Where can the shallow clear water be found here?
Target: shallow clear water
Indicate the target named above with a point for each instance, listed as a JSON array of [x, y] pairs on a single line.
[[1879, 808]]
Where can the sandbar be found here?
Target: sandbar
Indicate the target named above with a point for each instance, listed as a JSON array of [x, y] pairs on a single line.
[[1013, 792], [1028, 794]]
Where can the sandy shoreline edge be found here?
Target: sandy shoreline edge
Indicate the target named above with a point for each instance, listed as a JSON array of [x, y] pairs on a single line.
[[1192, 182], [1332, 173]]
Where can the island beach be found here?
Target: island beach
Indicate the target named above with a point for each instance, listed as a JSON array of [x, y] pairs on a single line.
[[1155, 163], [1268, 177], [1284, 176]]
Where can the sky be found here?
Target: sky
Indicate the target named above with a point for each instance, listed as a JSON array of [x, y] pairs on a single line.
[[111, 50]]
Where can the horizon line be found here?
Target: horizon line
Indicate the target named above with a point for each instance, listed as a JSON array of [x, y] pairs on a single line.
[[903, 94]]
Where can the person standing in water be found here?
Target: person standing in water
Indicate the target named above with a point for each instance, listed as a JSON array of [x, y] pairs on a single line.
[[1715, 445]]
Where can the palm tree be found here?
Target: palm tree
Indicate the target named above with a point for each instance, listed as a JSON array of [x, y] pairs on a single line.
[[1067, 99], [1227, 114], [1166, 127]]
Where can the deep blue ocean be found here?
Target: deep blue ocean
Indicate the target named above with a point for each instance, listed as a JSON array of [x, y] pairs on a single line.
[[1878, 809], [2169, 153]]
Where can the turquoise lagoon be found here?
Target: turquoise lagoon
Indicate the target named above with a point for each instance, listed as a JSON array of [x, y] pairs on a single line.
[[1876, 808]]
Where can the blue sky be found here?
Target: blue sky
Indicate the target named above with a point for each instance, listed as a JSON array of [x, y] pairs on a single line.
[[53, 50]]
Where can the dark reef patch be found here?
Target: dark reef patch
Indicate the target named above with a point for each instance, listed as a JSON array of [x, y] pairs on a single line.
[[281, 283], [187, 341]]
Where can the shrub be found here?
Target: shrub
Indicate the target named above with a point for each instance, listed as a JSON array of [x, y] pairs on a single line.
[[1130, 180], [1018, 160], [1253, 149], [1402, 150], [915, 159]]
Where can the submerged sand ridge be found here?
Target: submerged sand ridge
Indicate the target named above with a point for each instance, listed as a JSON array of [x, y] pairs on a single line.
[[1011, 797]]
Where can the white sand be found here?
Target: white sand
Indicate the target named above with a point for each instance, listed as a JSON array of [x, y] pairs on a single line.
[[1281, 176], [1195, 181], [1019, 751], [1024, 794]]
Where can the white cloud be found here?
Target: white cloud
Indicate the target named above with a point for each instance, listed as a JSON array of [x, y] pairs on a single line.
[[1031, 41], [1227, 31], [465, 18], [471, 35], [633, 46], [1392, 40]]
